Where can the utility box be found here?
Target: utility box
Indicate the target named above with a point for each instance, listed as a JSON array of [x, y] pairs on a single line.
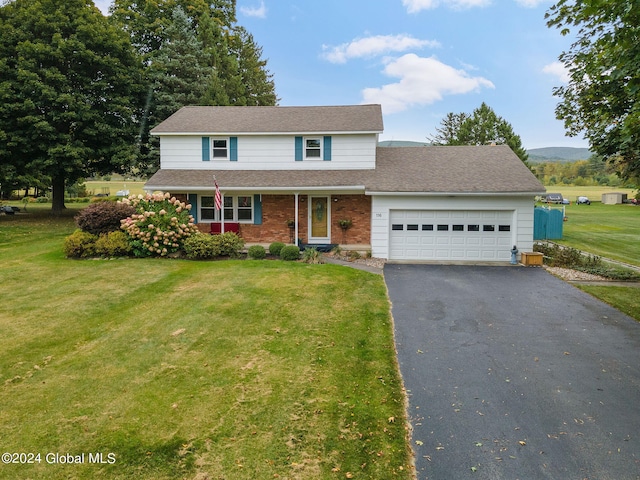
[[531, 259]]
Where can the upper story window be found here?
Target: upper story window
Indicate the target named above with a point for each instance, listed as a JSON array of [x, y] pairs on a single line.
[[220, 148], [313, 148]]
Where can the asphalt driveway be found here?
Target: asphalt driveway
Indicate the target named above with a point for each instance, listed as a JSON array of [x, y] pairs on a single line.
[[514, 374]]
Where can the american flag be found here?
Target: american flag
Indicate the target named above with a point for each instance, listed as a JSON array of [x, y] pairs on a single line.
[[218, 195]]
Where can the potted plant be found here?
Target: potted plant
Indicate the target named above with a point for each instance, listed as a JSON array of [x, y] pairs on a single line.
[[345, 223]]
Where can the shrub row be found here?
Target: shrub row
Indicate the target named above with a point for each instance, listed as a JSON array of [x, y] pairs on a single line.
[[85, 245], [202, 246]]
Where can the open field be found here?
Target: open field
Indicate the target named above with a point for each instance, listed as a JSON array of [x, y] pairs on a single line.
[[175, 369], [593, 192], [611, 231], [100, 187]]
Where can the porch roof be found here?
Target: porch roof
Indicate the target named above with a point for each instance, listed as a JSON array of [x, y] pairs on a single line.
[[473, 170]]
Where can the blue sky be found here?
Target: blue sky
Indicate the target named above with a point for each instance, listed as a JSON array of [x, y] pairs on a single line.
[[419, 59]]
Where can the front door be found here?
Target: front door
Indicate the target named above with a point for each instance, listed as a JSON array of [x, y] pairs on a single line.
[[319, 220]]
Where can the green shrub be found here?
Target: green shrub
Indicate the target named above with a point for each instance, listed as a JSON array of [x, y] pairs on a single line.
[[257, 252], [103, 217], [290, 252], [80, 245], [275, 247], [160, 225], [312, 255], [201, 246], [113, 244], [230, 244]]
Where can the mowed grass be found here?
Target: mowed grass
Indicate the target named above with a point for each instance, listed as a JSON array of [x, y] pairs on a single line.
[[611, 231], [193, 370]]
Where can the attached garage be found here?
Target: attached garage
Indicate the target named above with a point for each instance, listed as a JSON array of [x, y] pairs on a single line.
[[451, 204], [451, 235]]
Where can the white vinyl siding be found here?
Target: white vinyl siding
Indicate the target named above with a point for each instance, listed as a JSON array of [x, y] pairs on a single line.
[[269, 152]]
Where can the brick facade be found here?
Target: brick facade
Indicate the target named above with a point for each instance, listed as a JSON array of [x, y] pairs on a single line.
[[278, 209]]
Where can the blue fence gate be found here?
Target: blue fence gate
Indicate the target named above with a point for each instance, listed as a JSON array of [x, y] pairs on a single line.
[[547, 223]]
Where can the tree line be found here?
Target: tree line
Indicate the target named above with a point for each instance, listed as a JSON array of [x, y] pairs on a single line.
[[594, 171], [80, 91]]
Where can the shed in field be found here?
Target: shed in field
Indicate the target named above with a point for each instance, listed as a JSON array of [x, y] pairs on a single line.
[[613, 198]]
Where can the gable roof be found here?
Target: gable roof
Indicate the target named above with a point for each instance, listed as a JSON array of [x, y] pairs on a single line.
[[273, 120], [423, 170], [452, 169]]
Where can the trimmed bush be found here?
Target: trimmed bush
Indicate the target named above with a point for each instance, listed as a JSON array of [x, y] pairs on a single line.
[[201, 246], [275, 247], [113, 244], [80, 245], [290, 252], [230, 244], [160, 225], [103, 217], [257, 252]]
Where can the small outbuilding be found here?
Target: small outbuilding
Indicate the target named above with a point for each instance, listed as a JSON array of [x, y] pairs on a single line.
[[614, 198]]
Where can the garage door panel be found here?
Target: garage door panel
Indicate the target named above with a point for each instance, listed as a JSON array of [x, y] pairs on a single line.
[[451, 235]]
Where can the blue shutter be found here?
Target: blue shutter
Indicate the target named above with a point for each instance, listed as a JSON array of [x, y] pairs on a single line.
[[298, 149], [257, 210], [193, 200], [327, 148], [206, 149], [233, 149]]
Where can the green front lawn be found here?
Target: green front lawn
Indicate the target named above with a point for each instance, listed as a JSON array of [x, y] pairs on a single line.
[[626, 299], [181, 369]]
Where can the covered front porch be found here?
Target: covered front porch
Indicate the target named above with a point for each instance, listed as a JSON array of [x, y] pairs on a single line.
[[317, 218]]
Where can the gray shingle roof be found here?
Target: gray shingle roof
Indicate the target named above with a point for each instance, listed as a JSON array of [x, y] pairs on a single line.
[[471, 170], [327, 119]]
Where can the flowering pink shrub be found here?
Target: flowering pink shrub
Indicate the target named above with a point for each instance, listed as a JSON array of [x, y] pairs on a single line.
[[159, 226]]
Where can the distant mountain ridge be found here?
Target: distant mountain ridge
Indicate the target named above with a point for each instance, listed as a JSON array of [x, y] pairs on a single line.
[[558, 154], [536, 155]]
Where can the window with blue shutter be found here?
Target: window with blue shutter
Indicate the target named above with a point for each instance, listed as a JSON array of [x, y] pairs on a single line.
[[327, 149], [206, 155], [298, 149], [257, 209], [193, 200], [233, 149]]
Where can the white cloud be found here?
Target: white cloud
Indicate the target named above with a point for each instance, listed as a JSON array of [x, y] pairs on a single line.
[[558, 70], [415, 6], [260, 12], [531, 3], [372, 46], [423, 81]]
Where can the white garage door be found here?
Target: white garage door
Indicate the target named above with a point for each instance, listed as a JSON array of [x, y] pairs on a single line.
[[451, 235]]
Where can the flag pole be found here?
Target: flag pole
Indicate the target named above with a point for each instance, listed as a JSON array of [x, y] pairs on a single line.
[[219, 204]]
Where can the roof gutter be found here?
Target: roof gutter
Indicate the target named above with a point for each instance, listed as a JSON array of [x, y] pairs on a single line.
[[329, 188], [454, 194]]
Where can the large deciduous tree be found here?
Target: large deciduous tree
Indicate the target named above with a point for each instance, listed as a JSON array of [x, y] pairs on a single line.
[[601, 99], [482, 127], [69, 92]]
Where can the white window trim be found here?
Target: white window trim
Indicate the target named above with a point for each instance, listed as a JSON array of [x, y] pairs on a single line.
[[234, 208], [304, 148], [213, 149]]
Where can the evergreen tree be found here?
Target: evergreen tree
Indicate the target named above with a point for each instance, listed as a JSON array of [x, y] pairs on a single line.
[[482, 127]]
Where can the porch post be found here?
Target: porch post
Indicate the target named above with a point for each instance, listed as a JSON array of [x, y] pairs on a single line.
[[296, 217]]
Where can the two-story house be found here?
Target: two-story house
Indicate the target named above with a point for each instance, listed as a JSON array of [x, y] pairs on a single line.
[[295, 174]]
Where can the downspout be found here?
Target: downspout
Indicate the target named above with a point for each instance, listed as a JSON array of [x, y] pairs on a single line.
[[222, 214]]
